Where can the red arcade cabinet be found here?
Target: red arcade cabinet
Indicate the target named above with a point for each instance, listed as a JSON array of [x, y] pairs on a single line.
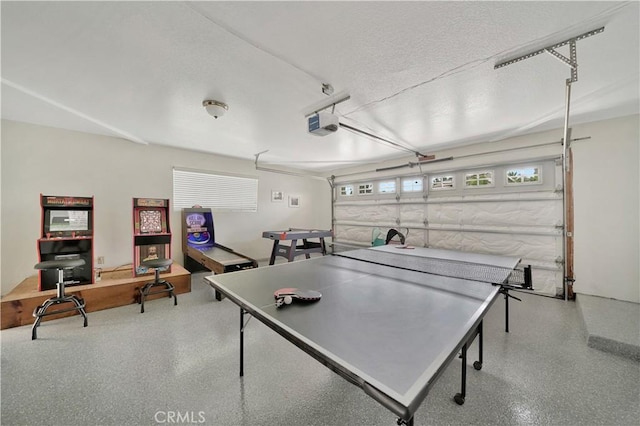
[[67, 233]]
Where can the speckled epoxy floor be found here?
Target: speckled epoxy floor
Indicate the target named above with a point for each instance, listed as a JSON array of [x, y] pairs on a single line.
[[611, 325], [179, 365]]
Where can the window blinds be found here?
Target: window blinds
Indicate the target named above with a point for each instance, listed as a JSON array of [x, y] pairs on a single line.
[[215, 191]]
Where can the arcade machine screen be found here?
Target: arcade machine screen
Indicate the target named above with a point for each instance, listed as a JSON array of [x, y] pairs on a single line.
[[68, 220], [198, 235], [151, 222]]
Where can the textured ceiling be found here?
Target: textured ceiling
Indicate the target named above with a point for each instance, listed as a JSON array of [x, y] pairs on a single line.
[[420, 74]]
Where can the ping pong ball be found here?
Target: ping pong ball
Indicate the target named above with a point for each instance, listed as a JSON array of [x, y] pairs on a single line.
[[288, 300]]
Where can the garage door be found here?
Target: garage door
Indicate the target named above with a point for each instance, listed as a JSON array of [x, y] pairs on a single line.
[[507, 209]]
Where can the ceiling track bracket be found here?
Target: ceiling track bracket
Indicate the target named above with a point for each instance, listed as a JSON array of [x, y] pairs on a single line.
[[571, 61]]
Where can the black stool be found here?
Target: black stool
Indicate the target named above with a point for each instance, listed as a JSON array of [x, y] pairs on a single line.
[[168, 287], [40, 311]]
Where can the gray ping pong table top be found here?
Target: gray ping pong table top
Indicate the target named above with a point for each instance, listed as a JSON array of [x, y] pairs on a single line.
[[389, 331]]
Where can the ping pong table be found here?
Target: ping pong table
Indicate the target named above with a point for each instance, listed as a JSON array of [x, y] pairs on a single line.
[[389, 321]]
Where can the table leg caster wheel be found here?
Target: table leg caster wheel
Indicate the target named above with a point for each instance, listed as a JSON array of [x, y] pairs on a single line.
[[477, 365], [459, 399]]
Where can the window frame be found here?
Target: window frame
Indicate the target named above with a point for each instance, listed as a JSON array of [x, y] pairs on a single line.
[[414, 179], [395, 187], [441, 187], [343, 192], [491, 184], [522, 182], [366, 188]]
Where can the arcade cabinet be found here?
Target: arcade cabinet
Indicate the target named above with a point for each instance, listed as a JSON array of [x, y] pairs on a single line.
[[200, 250], [67, 234], [151, 233]]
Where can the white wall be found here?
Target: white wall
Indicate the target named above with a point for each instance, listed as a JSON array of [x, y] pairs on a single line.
[[38, 159], [606, 194]]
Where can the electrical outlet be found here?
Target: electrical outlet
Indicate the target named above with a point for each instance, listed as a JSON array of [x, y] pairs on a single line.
[[100, 260]]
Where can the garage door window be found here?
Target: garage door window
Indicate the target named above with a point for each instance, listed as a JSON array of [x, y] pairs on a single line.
[[523, 176], [412, 185], [482, 179], [365, 188], [439, 183], [387, 187], [346, 190]]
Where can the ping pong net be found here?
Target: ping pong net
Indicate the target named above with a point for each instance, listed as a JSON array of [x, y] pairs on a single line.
[[506, 277]]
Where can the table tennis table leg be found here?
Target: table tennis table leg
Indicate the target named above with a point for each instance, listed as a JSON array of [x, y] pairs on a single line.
[[401, 422], [459, 397], [478, 364], [242, 313], [506, 311], [507, 296]]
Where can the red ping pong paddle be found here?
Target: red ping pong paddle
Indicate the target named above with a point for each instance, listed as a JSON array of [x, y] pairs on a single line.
[[286, 296]]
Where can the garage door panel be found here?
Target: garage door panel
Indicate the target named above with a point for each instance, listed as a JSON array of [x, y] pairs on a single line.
[[353, 233], [531, 213], [445, 240], [548, 282], [412, 213], [516, 213], [366, 213], [415, 238], [445, 213]]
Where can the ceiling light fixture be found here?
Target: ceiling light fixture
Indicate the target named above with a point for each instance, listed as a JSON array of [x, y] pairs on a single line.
[[215, 108]]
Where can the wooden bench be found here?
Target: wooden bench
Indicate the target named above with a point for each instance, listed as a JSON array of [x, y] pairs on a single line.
[[117, 288]]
